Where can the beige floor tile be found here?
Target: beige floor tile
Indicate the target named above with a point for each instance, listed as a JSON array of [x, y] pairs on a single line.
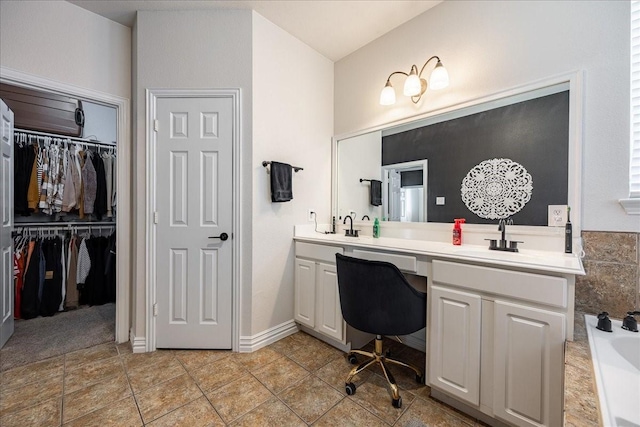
[[198, 413], [26, 374], [431, 414], [143, 377], [257, 359], [238, 398], [375, 396], [349, 414], [124, 348], [136, 360], [271, 413], [91, 373], [123, 413], [335, 374], [96, 396], [315, 356], [12, 400], [81, 357], [217, 374], [280, 374], [311, 398], [44, 414], [193, 359], [286, 345], [163, 398]]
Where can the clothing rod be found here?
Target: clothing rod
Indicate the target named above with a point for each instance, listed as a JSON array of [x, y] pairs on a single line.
[[63, 137], [295, 168], [68, 224]]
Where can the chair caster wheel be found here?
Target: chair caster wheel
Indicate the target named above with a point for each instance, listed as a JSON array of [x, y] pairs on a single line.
[[353, 359], [419, 379], [350, 388], [397, 403]]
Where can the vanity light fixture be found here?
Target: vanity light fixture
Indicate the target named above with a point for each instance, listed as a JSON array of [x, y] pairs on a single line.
[[415, 85]]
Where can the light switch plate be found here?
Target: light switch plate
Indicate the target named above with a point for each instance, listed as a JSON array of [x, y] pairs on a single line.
[[557, 215], [439, 201]]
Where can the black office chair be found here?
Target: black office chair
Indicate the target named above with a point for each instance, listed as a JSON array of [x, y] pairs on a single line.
[[376, 298]]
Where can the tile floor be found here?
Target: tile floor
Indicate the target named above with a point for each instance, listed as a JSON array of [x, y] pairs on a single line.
[[296, 381]]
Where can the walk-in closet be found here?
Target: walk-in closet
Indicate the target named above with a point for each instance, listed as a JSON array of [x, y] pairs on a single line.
[[64, 187]]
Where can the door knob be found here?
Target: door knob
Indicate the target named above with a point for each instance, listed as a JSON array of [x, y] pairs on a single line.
[[222, 236]]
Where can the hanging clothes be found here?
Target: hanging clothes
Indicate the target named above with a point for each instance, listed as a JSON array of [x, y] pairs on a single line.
[[52, 284], [30, 302], [24, 158], [100, 204], [72, 273]]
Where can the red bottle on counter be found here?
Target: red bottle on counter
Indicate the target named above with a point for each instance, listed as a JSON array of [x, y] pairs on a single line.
[[457, 231]]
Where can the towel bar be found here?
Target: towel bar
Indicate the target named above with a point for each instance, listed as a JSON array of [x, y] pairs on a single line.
[[295, 168]]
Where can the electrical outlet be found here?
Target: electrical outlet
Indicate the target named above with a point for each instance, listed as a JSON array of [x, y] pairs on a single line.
[[310, 214], [439, 201], [557, 215]]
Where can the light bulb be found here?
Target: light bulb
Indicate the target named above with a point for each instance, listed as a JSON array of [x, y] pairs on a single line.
[[412, 85], [439, 77], [388, 95]]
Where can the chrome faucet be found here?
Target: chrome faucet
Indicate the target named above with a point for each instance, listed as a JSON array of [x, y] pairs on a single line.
[[350, 232]]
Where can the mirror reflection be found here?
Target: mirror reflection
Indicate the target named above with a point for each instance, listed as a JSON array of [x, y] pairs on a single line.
[[422, 164]]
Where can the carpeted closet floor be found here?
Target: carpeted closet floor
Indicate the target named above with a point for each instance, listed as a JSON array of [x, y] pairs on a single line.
[[44, 337]]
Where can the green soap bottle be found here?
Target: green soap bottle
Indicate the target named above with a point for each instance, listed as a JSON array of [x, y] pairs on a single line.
[[376, 228]]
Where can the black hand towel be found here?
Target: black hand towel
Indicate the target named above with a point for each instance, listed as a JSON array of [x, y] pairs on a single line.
[[375, 192], [281, 183]]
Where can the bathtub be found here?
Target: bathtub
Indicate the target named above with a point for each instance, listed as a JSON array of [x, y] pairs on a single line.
[[616, 364]]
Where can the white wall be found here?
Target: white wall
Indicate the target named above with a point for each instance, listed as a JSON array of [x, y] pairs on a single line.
[[292, 123], [492, 46], [190, 49], [62, 42], [100, 122]]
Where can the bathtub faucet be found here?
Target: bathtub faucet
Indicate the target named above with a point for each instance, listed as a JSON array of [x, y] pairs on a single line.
[[629, 323]]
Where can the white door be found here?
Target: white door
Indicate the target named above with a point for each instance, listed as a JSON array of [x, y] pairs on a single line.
[[330, 321], [6, 242], [305, 292], [454, 343], [194, 219], [528, 365]]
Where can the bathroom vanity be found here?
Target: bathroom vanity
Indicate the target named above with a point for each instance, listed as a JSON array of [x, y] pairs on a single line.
[[496, 321]]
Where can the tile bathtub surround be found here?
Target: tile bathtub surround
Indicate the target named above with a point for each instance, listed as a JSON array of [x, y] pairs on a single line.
[[612, 280]]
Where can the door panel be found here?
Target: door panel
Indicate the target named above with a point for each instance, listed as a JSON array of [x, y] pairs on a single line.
[[305, 292], [330, 320], [528, 362], [6, 242], [454, 344], [194, 204]]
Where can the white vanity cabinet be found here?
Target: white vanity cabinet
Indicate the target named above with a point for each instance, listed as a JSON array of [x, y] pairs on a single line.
[[496, 341], [317, 300]]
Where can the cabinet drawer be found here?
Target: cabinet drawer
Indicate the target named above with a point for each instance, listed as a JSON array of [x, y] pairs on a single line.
[[320, 252], [403, 262], [537, 288]]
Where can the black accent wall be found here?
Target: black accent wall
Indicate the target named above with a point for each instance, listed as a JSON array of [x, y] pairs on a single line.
[[534, 133]]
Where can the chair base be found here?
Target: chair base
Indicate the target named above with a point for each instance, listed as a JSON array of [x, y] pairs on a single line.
[[378, 357]]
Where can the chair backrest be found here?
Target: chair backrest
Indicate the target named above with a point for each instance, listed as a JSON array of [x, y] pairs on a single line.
[[375, 297]]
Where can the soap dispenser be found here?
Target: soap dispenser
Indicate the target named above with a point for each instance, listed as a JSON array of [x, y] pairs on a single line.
[[457, 231], [376, 228]]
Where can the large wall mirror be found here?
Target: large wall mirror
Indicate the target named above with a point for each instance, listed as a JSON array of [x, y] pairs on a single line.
[[512, 154]]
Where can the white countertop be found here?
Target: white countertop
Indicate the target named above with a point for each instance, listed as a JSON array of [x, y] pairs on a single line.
[[531, 259]]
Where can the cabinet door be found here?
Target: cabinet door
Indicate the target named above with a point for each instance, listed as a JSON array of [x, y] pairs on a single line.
[[305, 292], [454, 343], [528, 365], [330, 321]]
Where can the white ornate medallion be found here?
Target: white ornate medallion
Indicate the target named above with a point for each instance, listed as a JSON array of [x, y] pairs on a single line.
[[496, 188]]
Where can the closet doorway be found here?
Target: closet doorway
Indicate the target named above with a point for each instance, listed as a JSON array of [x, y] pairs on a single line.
[[118, 111]]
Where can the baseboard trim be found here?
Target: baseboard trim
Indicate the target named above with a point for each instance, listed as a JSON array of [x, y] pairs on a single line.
[[264, 338], [417, 342], [138, 344]]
